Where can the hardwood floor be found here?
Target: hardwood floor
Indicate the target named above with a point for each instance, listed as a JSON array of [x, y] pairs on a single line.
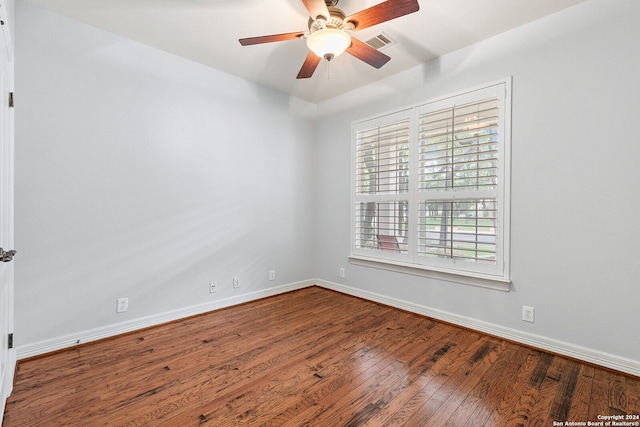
[[312, 357]]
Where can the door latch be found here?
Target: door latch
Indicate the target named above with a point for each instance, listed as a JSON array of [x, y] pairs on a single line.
[[6, 256]]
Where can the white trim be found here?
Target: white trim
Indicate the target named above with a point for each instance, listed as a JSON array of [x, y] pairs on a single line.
[[465, 278], [70, 340], [6, 29], [507, 80], [589, 355], [586, 354], [506, 184]]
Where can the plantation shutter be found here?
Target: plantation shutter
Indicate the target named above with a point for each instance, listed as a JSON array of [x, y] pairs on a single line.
[[382, 186], [383, 159], [458, 178], [430, 185], [458, 147]]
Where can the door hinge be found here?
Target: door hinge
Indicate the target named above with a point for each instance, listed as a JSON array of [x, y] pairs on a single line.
[[10, 340], [10, 99]]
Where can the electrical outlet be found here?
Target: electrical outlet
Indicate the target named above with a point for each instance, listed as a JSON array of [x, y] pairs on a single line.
[[236, 282], [123, 305], [272, 275], [527, 313], [212, 288], [342, 272]]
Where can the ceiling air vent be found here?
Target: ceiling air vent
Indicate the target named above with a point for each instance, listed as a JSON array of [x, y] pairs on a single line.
[[380, 41]]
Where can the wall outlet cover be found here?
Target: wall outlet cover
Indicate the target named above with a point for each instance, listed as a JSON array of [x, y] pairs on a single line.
[[122, 305], [527, 313]]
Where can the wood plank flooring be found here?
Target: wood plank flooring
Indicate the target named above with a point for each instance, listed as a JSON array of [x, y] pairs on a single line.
[[312, 357]]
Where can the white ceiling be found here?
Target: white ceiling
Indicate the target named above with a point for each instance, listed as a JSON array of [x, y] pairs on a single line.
[[207, 31]]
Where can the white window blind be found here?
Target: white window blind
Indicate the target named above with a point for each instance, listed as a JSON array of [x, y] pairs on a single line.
[[383, 159], [431, 184], [459, 152], [382, 186], [459, 146], [382, 225], [463, 229]]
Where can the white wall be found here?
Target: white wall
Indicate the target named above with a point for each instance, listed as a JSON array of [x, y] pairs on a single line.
[[143, 175], [575, 182]]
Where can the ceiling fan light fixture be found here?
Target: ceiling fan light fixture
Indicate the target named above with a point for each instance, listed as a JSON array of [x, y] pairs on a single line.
[[328, 43]]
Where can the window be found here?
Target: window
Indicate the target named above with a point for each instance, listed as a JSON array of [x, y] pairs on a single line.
[[431, 185]]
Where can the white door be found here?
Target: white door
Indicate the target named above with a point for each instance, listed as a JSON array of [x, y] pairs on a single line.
[[7, 355]]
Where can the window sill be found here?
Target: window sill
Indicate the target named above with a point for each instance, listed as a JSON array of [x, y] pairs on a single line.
[[472, 279]]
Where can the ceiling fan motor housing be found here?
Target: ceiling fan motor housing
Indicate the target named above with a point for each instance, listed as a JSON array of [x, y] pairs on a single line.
[[335, 20]]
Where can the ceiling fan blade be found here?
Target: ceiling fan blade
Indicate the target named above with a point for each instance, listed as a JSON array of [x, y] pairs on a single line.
[[309, 66], [366, 53], [385, 11], [272, 38], [316, 8]]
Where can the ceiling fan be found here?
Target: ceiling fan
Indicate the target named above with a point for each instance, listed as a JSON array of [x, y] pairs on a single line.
[[327, 36]]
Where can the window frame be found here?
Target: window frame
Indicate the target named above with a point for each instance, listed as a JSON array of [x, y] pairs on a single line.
[[450, 269]]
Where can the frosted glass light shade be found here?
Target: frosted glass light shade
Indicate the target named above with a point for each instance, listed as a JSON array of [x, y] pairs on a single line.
[[328, 43]]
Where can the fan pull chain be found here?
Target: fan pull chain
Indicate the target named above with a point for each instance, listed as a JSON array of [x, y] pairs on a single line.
[[328, 69]]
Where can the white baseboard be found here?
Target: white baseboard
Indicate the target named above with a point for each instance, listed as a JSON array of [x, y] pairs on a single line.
[[65, 341], [567, 349], [607, 360]]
